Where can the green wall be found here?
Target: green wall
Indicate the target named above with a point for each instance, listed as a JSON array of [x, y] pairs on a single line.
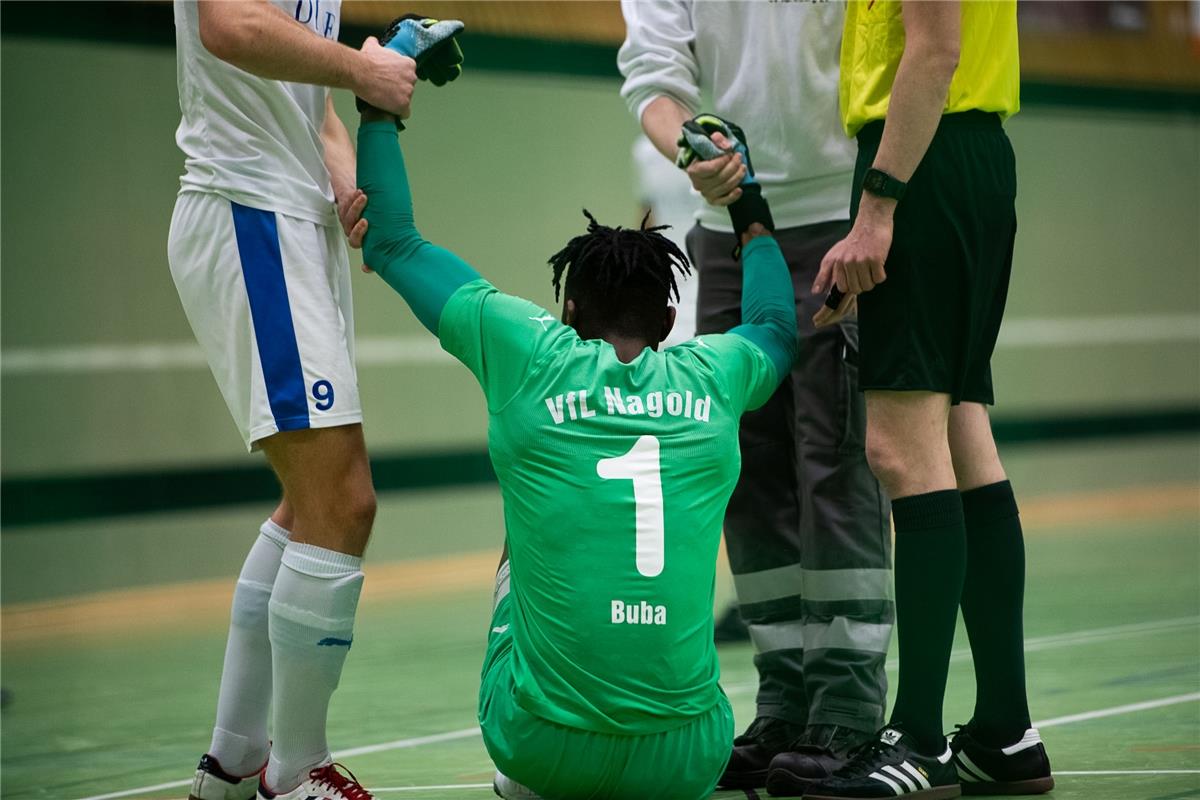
[[501, 165]]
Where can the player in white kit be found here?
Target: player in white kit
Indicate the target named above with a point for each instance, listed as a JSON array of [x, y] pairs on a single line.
[[258, 258]]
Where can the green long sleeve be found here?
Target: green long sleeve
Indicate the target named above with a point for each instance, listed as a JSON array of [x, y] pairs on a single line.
[[768, 303], [424, 274]]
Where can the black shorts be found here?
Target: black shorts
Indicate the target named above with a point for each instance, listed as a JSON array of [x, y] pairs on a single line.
[[932, 325]]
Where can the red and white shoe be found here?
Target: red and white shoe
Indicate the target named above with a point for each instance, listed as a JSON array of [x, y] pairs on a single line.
[[324, 782], [212, 782]]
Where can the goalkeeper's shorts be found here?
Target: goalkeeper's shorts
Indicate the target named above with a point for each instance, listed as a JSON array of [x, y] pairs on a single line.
[[268, 297], [561, 763]]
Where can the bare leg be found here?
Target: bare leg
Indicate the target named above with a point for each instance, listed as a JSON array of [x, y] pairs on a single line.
[[327, 486], [976, 462], [908, 441]]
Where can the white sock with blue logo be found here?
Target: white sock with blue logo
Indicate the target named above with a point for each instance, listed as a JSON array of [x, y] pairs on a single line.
[[239, 739], [312, 626]]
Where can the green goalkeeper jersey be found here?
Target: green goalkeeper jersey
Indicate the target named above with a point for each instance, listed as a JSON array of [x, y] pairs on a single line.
[[615, 479]]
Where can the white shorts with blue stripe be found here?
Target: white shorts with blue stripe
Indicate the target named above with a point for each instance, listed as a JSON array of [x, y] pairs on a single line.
[[268, 297]]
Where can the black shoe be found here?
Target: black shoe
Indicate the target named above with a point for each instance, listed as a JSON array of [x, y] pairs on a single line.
[[766, 738], [1021, 768], [889, 765], [731, 628], [821, 751]]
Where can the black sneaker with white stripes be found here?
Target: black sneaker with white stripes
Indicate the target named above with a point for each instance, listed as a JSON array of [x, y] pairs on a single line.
[[890, 766], [1020, 768]]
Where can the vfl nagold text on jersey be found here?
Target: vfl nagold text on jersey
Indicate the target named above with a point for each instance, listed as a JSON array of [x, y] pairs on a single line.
[[574, 405]]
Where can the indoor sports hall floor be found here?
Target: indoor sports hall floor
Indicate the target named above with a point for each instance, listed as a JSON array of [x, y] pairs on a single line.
[[113, 644]]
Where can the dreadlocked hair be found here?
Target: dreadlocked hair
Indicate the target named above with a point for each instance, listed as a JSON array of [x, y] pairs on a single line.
[[621, 279]]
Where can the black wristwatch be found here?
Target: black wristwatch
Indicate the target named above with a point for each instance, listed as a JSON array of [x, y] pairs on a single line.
[[880, 184]]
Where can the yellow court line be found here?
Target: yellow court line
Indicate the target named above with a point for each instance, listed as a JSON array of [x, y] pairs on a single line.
[[156, 608], [1119, 505], [150, 608]]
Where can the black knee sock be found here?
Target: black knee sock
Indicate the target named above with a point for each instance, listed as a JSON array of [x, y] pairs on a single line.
[[930, 563], [992, 599]]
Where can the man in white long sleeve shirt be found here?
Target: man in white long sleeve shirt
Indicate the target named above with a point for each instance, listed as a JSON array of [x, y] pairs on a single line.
[[807, 528]]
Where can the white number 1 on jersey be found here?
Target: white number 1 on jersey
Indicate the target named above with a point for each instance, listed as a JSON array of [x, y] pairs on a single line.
[[641, 466]]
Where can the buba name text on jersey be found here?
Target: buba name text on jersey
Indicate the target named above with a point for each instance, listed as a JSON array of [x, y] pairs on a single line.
[[575, 405], [641, 614]]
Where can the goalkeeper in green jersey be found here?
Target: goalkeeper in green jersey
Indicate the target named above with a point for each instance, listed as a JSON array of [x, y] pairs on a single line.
[[616, 461]]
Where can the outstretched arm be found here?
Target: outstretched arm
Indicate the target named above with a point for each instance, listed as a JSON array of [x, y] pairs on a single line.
[[425, 275], [768, 302]]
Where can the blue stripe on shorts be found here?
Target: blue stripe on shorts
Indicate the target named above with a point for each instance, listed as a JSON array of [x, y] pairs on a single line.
[[262, 270]]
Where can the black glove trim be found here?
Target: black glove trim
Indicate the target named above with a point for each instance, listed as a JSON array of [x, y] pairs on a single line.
[[748, 209]]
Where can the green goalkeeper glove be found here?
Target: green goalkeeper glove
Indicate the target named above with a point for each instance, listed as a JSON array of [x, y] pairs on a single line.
[[430, 43], [696, 144]]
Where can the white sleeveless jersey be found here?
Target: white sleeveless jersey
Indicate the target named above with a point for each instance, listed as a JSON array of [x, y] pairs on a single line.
[[253, 140]]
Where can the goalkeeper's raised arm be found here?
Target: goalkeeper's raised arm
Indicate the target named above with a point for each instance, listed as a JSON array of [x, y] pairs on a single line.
[[424, 274], [768, 310]]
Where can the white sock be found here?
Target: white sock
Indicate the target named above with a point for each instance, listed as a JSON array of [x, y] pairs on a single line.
[[240, 736], [312, 626], [503, 584]]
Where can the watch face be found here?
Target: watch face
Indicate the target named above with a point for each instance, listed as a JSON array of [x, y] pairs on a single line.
[[873, 182]]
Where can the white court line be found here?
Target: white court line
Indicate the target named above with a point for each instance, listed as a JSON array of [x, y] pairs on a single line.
[[1116, 710], [1040, 643], [1059, 772], [420, 349], [143, 790], [400, 744], [1051, 642], [430, 788], [466, 732]]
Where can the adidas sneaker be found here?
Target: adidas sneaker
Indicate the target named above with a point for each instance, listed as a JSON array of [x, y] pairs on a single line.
[[1021, 768], [889, 765]]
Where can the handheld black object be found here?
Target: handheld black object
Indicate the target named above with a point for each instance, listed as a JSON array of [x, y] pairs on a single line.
[[835, 298]]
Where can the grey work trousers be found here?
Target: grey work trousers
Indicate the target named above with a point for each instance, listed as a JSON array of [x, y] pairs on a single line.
[[807, 526]]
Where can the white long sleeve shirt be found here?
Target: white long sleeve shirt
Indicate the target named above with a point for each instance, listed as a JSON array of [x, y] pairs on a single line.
[[771, 67]]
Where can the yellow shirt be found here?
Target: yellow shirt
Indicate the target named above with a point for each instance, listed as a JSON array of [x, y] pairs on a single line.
[[988, 76]]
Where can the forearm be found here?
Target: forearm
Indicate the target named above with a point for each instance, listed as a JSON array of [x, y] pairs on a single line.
[[919, 92], [662, 121], [339, 153], [424, 275], [257, 37], [768, 301]]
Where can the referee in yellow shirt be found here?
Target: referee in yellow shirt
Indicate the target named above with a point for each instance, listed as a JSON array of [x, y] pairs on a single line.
[[925, 87]]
